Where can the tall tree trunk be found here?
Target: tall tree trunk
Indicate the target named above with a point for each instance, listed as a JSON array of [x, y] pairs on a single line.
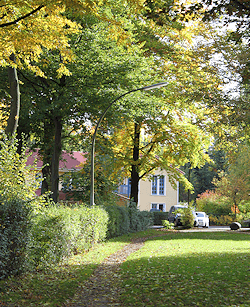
[[56, 159], [15, 99], [46, 152], [135, 178]]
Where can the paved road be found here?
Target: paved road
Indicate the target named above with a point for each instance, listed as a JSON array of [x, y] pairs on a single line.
[[213, 228], [209, 229]]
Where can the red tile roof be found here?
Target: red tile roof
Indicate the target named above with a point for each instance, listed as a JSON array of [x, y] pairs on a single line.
[[68, 161]]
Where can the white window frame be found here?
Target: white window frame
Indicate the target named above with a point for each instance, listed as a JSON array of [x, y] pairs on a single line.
[[158, 185], [157, 205]]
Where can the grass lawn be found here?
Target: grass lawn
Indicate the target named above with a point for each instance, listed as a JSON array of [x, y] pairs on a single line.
[[189, 269], [177, 269]]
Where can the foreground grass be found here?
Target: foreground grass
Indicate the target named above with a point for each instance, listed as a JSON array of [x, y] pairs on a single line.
[[189, 269], [55, 286], [178, 269]]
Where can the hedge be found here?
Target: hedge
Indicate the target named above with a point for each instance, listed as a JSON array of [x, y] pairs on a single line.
[[158, 217], [123, 220], [14, 236], [58, 232]]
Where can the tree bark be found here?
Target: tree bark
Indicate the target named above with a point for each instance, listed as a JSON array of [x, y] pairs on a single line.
[[135, 177], [56, 159], [15, 100]]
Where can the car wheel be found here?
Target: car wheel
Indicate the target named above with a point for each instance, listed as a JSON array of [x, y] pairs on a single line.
[[176, 223]]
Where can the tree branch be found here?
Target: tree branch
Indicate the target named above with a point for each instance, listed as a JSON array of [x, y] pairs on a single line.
[[242, 6], [21, 18]]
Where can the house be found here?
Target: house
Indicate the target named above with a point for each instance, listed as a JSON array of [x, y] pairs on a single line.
[[68, 163], [156, 192]]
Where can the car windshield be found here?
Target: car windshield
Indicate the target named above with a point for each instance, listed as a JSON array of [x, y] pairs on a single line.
[[200, 214]]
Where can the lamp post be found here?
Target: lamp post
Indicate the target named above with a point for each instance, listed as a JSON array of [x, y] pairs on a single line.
[[92, 169]]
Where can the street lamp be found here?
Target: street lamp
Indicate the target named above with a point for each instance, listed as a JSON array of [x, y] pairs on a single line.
[[145, 88]]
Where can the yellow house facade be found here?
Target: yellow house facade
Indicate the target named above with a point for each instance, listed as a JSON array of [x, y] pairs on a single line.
[[155, 192]]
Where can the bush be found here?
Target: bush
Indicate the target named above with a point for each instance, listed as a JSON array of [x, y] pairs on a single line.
[[118, 223], [58, 232], [213, 204], [158, 217], [187, 217], [167, 224], [223, 220], [124, 220], [17, 191], [14, 236], [139, 220]]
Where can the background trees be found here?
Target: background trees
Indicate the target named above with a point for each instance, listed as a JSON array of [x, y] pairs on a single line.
[[91, 54]]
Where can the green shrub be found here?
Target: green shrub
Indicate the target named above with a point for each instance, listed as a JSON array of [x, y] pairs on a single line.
[[187, 217], [223, 220], [124, 220], [58, 232], [118, 223], [213, 203], [14, 236], [167, 224], [158, 217], [139, 220], [17, 191]]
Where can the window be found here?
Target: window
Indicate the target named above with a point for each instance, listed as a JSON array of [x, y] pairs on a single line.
[[39, 178], [158, 185], [161, 207], [154, 185]]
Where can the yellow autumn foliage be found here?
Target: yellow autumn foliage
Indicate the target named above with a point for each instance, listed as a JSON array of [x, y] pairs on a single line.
[[28, 27]]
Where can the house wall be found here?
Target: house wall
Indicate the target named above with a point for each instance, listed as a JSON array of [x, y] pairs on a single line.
[[146, 198]]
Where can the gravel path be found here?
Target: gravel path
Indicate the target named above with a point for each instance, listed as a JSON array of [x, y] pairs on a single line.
[[102, 288]]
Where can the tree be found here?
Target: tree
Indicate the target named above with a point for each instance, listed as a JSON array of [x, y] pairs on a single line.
[[57, 107], [236, 183], [166, 144], [44, 26], [237, 11], [202, 177], [192, 83]]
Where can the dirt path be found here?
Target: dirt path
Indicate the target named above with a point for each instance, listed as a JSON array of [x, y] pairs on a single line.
[[102, 288]]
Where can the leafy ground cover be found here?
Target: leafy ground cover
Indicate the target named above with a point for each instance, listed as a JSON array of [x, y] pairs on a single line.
[[177, 269], [189, 269]]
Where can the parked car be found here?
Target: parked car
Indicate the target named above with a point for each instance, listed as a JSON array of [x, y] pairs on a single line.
[[155, 210], [175, 217], [201, 219]]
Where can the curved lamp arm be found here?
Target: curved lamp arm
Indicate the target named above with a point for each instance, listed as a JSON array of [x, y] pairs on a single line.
[[145, 88]]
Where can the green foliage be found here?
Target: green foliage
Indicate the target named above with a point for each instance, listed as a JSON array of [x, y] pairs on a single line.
[[187, 217], [125, 220], [17, 191], [213, 204], [167, 224], [244, 207], [74, 183], [202, 177], [17, 180], [139, 220], [58, 232], [223, 220], [14, 236], [158, 217], [118, 223], [244, 212]]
